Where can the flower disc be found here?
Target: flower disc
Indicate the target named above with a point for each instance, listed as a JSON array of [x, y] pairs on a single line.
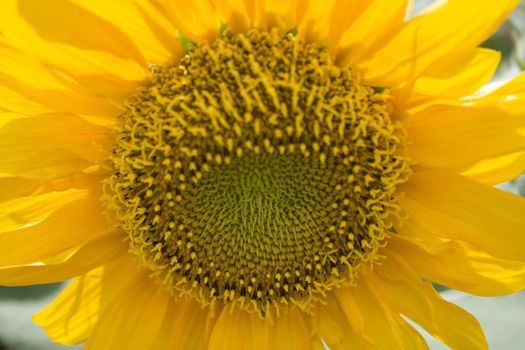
[[257, 172]]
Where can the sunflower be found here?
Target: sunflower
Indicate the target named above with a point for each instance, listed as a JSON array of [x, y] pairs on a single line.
[[258, 174]]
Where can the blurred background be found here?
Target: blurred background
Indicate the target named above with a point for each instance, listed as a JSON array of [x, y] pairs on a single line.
[[502, 318]]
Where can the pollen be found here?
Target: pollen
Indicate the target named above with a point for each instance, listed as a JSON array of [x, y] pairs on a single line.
[[257, 173]]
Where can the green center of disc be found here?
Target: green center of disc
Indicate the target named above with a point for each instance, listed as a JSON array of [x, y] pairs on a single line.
[[261, 211]]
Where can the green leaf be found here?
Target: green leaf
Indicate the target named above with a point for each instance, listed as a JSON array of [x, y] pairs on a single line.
[[187, 44], [293, 32]]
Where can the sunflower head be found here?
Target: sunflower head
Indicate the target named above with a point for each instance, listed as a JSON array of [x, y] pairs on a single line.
[[262, 187]]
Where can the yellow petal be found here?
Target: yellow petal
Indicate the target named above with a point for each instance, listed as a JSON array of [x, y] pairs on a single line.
[[27, 211], [132, 321], [156, 15], [367, 27], [453, 207], [319, 21], [472, 71], [407, 294], [461, 266], [28, 69], [69, 227], [458, 137], [343, 15], [284, 13], [116, 89], [185, 326], [381, 326], [72, 264], [33, 83], [241, 15], [351, 310], [22, 139], [58, 100], [432, 35], [48, 165], [82, 49], [133, 23], [15, 187], [198, 20], [497, 170], [291, 331], [71, 317], [337, 331], [64, 22], [237, 329], [313, 18], [12, 101], [508, 96], [318, 344], [413, 230]]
